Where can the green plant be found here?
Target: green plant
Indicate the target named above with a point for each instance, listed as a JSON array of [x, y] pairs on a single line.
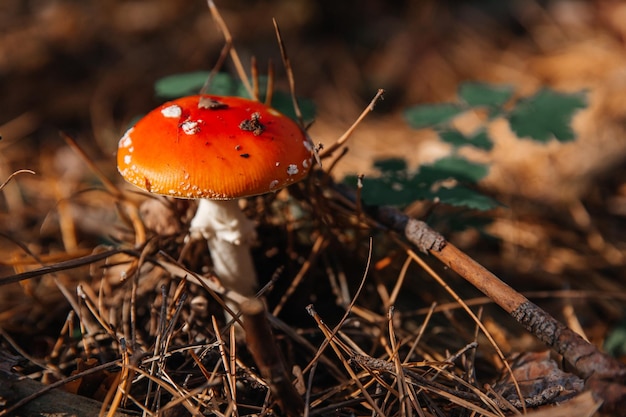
[[451, 180], [222, 84]]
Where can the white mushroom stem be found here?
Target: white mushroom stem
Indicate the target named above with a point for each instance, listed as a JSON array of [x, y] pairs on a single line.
[[228, 233]]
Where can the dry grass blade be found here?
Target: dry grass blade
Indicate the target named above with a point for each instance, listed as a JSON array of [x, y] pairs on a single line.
[[346, 314], [19, 171], [269, 88], [337, 346], [420, 333], [231, 388], [121, 388], [401, 383], [228, 44], [61, 266], [465, 399], [234, 56], [315, 251], [172, 390], [108, 184], [342, 140], [459, 300], [212, 286], [398, 285], [156, 310], [289, 71], [89, 303], [44, 389]]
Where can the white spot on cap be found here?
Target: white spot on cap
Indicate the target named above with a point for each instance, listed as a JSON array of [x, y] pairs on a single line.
[[172, 192], [307, 145], [127, 159], [273, 185], [274, 112], [190, 127], [126, 141], [172, 111], [277, 164], [292, 169], [305, 164]]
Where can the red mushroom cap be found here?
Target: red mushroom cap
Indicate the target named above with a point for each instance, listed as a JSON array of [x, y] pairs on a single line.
[[214, 147]]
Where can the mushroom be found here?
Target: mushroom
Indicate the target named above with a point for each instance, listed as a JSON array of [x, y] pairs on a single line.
[[217, 149]]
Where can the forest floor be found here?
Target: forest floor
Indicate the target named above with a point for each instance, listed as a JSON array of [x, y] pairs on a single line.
[[135, 333]]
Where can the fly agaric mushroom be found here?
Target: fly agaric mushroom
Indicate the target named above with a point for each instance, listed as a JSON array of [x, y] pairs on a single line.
[[216, 149]]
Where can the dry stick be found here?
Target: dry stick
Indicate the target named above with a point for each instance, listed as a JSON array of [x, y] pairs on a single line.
[[269, 87], [213, 287], [234, 56], [232, 366], [461, 398], [254, 74], [289, 71], [260, 342], [399, 282], [587, 359], [171, 390], [292, 90], [228, 43], [456, 297], [420, 333], [403, 396], [328, 151], [331, 339], [230, 373], [36, 398]]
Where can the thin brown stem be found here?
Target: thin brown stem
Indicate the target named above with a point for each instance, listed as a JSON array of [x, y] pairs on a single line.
[[267, 356], [228, 38], [289, 71], [332, 148]]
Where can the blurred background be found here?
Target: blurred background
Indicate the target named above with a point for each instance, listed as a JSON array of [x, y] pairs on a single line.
[[88, 68]]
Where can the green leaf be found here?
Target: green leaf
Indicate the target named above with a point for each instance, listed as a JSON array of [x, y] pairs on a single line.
[[453, 137], [389, 191], [615, 342], [457, 139], [282, 102], [545, 115], [477, 94], [458, 168], [431, 115], [481, 140], [180, 85], [390, 165], [397, 186], [222, 84], [460, 196]]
